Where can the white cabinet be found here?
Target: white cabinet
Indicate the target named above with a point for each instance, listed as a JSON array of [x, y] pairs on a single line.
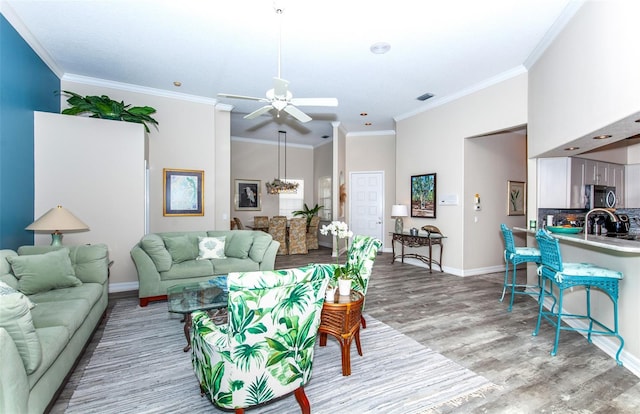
[[632, 186], [616, 179], [561, 182], [590, 172]]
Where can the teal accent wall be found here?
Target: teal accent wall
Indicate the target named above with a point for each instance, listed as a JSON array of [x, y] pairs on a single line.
[[26, 85]]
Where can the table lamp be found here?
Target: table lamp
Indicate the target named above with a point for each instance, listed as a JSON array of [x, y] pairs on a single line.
[[398, 211], [57, 220]]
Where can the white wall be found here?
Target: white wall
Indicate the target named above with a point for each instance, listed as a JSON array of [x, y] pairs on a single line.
[[490, 162], [185, 139], [258, 160], [95, 169], [375, 153], [434, 142], [588, 77]]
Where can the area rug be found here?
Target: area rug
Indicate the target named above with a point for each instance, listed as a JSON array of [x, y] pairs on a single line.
[[139, 367]]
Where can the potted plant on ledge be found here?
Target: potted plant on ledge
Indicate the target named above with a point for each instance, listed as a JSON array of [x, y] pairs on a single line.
[[308, 212]]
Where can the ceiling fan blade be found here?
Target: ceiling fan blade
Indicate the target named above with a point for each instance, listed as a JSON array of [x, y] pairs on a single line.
[[251, 98], [258, 112], [314, 101], [296, 113], [280, 88]]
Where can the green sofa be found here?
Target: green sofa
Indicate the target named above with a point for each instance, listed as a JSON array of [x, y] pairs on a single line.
[[166, 259], [51, 301]]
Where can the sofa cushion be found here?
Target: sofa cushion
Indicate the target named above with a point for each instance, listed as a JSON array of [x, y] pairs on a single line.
[[88, 291], [15, 317], [41, 272], [181, 248], [211, 248], [233, 264], [188, 269], [53, 340], [239, 245], [157, 251], [67, 313], [261, 242]]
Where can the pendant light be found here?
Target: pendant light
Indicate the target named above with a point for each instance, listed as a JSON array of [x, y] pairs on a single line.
[[278, 186]]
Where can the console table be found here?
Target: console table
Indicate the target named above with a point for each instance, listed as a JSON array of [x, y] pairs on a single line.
[[423, 239]]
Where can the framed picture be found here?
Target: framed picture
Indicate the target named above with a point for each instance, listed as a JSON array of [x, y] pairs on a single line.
[[183, 192], [423, 195], [516, 198], [247, 195]]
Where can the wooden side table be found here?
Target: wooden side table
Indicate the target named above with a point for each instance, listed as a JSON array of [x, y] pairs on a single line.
[[341, 319]]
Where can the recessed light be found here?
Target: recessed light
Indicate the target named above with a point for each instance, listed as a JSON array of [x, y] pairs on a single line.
[[177, 83], [602, 137], [571, 148], [324, 136], [380, 48], [367, 123], [425, 96], [363, 114]]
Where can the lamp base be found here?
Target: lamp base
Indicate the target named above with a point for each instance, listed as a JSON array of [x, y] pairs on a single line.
[[56, 239], [399, 225]]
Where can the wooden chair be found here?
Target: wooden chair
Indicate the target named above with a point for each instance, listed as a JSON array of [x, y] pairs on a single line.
[[298, 236], [312, 233], [278, 230], [239, 224]]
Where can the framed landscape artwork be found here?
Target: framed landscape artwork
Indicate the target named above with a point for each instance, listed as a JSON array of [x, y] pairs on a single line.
[[183, 192], [247, 195], [516, 198], [423, 195]]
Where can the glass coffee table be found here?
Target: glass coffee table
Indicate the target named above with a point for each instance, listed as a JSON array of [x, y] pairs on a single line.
[[189, 297]]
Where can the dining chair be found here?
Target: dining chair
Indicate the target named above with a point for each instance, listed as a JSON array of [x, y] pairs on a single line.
[[312, 233], [261, 223], [567, 276], [298, 236], [239, 224], [515, 255], [278, 231], [266, 349]]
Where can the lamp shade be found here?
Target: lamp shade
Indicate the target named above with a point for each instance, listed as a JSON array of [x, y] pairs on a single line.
[[399, 210], [57, 219]]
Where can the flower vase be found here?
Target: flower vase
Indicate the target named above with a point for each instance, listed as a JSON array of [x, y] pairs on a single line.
[[344, 287]]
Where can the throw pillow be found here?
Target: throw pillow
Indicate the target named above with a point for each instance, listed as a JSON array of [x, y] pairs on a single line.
[[239, 245], [6, 290], [211, 248], [157, 251], [181, 248], [42, 272], [15, 318]]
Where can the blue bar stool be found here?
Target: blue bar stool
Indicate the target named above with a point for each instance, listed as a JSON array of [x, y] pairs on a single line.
[[567, 275], [515, 256]]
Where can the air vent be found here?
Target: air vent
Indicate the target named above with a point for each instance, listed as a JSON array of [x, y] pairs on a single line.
[[425, 96]]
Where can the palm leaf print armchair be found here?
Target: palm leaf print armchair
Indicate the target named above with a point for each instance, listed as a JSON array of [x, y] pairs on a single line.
[[266, 349], [361, 255]]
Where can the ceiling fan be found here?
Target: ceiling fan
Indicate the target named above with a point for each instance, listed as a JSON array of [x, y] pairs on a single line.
[[279, 97]]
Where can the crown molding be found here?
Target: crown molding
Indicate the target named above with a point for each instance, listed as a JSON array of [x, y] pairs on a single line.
[[138, 89], [268, 142], [371, 133]]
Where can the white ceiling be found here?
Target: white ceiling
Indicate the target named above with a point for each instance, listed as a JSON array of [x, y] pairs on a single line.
[[444, 47]]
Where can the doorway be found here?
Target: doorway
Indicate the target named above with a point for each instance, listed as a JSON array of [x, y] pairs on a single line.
[[366, 203]]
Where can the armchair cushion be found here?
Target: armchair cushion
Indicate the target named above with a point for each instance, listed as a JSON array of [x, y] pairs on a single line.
[[42, 272]]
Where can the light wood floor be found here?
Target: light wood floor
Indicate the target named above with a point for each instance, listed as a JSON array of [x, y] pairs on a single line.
[[462, 319]]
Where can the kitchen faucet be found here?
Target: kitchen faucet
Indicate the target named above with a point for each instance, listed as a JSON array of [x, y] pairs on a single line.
[[601, 210]]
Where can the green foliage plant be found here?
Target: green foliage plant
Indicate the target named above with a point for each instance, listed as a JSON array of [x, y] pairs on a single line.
[[308, 212], [106, 108]]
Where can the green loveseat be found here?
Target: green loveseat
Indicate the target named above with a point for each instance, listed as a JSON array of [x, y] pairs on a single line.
[[166, 259], [51, 301]]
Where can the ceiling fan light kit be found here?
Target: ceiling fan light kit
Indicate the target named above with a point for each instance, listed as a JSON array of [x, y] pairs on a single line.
[[279, 97]]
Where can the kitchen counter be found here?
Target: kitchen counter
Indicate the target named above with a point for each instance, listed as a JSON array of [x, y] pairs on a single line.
[[604, 242]]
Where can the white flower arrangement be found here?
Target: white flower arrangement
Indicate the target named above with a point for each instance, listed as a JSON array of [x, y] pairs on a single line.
[[339, 230]]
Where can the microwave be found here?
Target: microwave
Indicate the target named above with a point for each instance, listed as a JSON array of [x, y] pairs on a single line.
[[599, 196]]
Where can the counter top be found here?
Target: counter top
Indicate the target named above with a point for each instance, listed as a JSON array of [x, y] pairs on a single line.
[[610, 243]]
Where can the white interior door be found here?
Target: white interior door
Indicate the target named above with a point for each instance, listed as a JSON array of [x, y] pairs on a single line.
[[366, 204]]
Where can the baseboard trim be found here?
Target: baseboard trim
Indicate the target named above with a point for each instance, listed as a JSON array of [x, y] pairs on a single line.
[[123, 287]]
